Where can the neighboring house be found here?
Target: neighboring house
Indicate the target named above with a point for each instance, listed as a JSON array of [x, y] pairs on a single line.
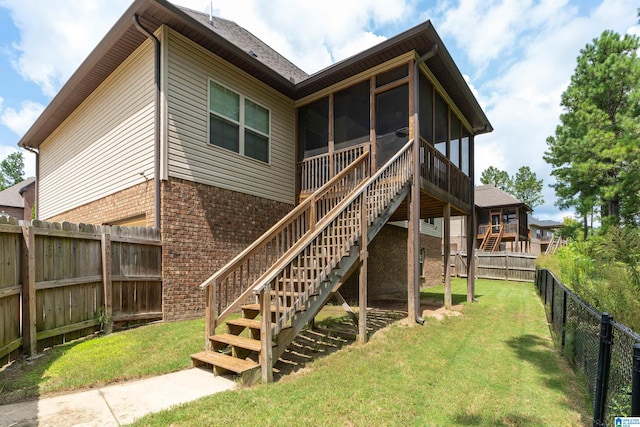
[[501, 222], [17, 201], [543, 235], [238, 135]]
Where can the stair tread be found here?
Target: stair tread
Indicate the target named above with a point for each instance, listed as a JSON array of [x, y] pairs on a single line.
[[256, 307], [235, 340], [243, 321], [225, 361]]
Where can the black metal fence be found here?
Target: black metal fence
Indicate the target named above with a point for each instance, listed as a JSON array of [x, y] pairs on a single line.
[[598, 346]]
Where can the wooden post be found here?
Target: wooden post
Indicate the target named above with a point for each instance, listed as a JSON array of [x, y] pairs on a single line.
[[29, 330], [332, 165], [471, 230], [362, 291], [107, 284], [413, 244], [447, 250], [266, 353], [373, 157]]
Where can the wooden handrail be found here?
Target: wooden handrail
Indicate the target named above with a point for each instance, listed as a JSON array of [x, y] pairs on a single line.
[[315, 170], [294, 213], [234, 281], [271, 274]]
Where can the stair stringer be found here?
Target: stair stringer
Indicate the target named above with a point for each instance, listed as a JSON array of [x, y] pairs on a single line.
[[335, 280]]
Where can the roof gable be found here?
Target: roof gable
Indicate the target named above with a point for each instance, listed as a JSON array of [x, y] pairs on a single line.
[[12, 196], [487, 196], [239, 47]]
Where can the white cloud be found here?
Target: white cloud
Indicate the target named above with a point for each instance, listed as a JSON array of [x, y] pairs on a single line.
[[527, 57], [55, 37], [20, 121], [312, 35]]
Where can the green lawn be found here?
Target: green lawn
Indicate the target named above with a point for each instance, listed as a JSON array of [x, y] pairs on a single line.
[[494, 365]]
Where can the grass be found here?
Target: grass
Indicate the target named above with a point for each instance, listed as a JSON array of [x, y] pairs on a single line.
[[135, 353], [94, 362], [495, 365]]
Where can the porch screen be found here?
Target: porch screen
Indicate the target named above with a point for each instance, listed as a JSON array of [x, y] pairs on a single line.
[[313, 128], [237, 123], [351, 115]]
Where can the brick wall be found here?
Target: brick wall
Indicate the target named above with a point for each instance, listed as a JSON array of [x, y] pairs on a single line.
[[13, 211], [203, 227], [387, 265], [29, 198], [132, 202]]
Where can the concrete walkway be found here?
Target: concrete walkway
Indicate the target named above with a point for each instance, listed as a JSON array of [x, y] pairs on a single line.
[[117, 404]]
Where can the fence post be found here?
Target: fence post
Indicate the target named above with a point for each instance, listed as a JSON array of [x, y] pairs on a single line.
[[635, 383], [553, 298], [106, 281], [564, 317], [29, 330], [604, 363], [546, 282]]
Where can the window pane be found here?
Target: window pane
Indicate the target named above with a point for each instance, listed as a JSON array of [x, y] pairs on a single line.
[[256, 146], [392, 75], [426, 109], [392, 122], [223, 101], [313, 128], [442, 124], [464, 151], [351, 115], [455, 141], [223, 133], [256, 117], [392, 110]]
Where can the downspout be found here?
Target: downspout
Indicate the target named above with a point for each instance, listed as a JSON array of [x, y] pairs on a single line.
[[156, 130], [415, 189], [37, 201]]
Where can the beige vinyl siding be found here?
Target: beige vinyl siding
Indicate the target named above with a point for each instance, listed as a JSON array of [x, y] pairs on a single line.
[[191, 157], [434, 230], [105, 145]]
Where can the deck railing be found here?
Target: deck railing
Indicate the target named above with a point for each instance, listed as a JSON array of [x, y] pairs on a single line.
[[306, 265], [315, 171], [437, 169], [230, 286]]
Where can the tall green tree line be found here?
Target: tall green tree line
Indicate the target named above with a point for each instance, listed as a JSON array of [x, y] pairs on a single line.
[[595, 152]]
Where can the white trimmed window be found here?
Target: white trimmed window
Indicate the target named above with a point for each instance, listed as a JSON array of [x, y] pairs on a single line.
[[237, 123]]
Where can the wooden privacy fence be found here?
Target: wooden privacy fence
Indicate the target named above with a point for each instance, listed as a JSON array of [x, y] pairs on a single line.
[[497, 265], [63, 281]]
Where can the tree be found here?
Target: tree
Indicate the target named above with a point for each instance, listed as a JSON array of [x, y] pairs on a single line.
[[498, 177], [11, 170], [527, 187], [594, 153]]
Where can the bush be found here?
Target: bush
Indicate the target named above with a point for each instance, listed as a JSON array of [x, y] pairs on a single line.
[[604, 271]]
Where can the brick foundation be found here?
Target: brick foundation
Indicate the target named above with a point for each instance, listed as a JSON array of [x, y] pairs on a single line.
[[132, 202], [204, 227], [387, 265]]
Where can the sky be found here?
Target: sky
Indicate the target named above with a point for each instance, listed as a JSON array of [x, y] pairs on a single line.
[[516, 55]]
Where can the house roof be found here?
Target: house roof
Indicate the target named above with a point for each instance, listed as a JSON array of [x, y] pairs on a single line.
[[543, 223], [242, 49], [487, 196], [12, 196]]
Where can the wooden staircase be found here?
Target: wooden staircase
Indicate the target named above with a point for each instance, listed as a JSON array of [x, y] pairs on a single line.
[[491, 241], [281, 281]]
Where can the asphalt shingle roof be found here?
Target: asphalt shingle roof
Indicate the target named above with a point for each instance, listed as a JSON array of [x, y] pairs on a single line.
[[489, 195], [251, 44], [11, 196]]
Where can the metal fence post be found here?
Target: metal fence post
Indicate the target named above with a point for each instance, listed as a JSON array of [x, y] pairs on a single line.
[[546, 281], [564, 317], [553, 297], [604, 363], [635, 383]]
